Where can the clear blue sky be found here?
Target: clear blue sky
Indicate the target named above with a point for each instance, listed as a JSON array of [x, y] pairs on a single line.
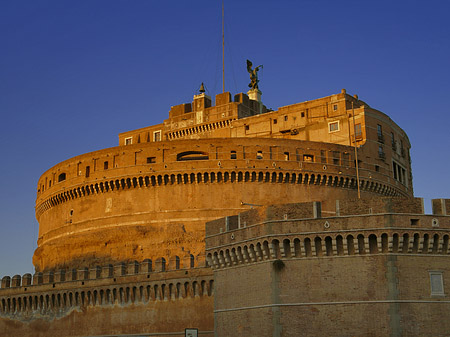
[[73, 74]]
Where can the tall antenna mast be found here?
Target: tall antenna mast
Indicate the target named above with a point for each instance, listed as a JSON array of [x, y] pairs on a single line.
[[223, 49]]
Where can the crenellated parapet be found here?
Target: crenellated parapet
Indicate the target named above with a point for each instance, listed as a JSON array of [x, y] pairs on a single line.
[[302, 231], [56, 293]]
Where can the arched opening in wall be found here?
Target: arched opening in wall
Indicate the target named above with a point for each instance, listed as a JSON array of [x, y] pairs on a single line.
[[166, 179], [179, 294], [3, 305], [211, 288], [186, 289], [192, 178], [276, 249], [247, 176], [226, 177], [267, 177], [373, 245], [384, 243], [297, 248], [286, 178], [308, 248], [61, 177], [177, 262], [160, 180], [416, 242], [172, 179], [445, 244], [156, 292], [426, 242], [340, 245], [204, 291], [361, 246], [260, 177], [233, 177], [318, 245], [191, 261], [219, 177], [171, 291], [179, 179], [253, 179], [329, 246], [199, 177], [280, 177], [205, 177], [213, 177], [240, 177], [266, 249], [274, 177], [259, 252], [405, 246], [350, 245], [185, 178], [435, 243], [293, 178], [192, 155], [287, 247], [395, 243]]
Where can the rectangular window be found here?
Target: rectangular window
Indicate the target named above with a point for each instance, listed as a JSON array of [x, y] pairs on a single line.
[[275, 121], [380, 133], [308, 158], [247, 127], [323, 156], [346, 159], [286, 156], [105, 165], [437, 283], [285, 118], [335, 107], [358, 132], [381, 154], [88, 171], [157, 136], [302, 114], [259, 155], [129, 141], [336, 158], [233, 155], [333, 126], [151, 160], [377, 168]]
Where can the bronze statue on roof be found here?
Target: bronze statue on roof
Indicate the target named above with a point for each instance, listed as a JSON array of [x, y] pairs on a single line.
[[253, 75]]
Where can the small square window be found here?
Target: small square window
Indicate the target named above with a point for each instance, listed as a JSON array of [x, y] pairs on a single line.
[[302, 114], [259, 155], [129, 141], [308, 158], [437, 283], [285, 118], [333, 126], [151, 160], [233, 155], [275, 121], [377, 168], [247, 127], [335, 107]]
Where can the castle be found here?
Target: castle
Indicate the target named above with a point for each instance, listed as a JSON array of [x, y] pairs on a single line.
[[230, 219]]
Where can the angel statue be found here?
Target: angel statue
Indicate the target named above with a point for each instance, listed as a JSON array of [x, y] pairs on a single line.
[[253, 75]]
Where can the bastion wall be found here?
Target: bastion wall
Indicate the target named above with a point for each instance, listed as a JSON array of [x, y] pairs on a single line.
[[381, 271]]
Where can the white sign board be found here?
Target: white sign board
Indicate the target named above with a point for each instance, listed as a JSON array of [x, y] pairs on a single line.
[[191, 333]]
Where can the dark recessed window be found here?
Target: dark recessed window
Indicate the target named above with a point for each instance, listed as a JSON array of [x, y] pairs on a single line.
[[275, 121], [151, 160], [233, 155], [105, 165], [61, 177]]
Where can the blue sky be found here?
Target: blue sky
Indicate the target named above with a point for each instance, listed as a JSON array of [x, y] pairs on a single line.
[[73, 74]]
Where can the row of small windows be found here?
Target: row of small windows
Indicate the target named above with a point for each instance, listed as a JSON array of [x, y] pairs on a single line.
[[156, 138], [394, 142], [335, 158]]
